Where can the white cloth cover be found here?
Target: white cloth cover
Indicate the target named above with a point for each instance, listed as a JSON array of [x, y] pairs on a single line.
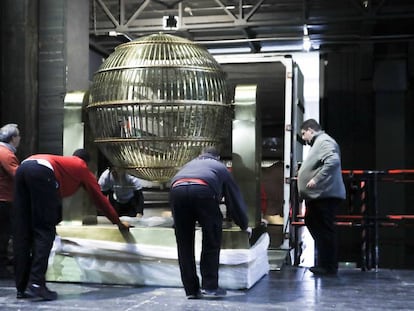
[[137, 264]]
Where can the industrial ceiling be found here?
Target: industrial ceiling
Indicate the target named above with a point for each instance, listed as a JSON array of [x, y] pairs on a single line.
[[252, 26]]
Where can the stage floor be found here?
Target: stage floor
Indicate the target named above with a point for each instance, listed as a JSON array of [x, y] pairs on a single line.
[[289, 289]]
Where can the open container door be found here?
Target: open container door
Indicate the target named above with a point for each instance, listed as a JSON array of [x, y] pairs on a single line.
[[281, 106], [295, 110]]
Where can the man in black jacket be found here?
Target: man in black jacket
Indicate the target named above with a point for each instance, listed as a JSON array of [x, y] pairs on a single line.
[[196, 192]]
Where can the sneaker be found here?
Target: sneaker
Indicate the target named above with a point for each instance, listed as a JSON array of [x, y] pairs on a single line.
[[214, 293], [322, 271], [42, 292], [195, 296]]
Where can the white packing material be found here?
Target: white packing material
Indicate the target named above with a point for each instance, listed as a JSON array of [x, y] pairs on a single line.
[[139, 264], [153, 221]]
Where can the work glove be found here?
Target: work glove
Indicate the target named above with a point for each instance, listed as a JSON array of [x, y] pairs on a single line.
[[249, 231]]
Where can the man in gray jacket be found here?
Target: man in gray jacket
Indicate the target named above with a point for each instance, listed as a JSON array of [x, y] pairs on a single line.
[[321, 185]]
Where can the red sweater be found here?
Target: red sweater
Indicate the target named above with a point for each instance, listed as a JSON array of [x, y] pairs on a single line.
[[72, 173], [8, 167]]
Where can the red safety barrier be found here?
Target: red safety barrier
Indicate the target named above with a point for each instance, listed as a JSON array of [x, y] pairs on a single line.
[[400, 217]]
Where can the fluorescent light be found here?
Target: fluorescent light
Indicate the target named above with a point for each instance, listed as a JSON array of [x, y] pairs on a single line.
[[114, 33], [282, 48], [229, 50], [75, 97]]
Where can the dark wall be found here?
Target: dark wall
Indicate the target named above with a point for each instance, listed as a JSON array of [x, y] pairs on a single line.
[[368, 108], [348, 107], [33, 72], [19, 69], [44, 55], [52, 77], [367, 101]]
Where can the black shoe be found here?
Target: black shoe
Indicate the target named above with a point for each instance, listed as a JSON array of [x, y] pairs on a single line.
[[195, 296], [323, 271], [42, 292], [214, 293], [23, 295]]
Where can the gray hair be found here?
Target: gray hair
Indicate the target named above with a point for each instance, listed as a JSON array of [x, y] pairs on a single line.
[[8, 131]]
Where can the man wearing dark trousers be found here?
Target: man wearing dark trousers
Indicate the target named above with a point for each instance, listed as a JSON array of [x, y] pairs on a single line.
[[195, 195], [41, 182], [321, 185]]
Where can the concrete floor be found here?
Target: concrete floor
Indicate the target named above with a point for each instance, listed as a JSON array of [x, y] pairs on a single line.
[[290, 289]]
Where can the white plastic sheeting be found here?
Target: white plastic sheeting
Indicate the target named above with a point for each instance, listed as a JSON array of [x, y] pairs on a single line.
[[138, 264]]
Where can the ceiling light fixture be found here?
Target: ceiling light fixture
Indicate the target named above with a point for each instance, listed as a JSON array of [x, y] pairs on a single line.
[[114, 33], [188, 10]]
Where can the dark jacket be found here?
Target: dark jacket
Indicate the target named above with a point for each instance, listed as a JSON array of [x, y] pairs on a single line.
[[218, 177]]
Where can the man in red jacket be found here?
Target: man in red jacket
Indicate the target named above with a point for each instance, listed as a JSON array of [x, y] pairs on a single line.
[[42, 181], [9, 141]]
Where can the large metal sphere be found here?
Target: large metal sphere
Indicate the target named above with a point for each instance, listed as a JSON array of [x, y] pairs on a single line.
[[156, 102]]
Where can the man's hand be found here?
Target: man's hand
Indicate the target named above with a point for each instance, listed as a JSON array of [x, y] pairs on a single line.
[[311, 184], [249, 231]]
